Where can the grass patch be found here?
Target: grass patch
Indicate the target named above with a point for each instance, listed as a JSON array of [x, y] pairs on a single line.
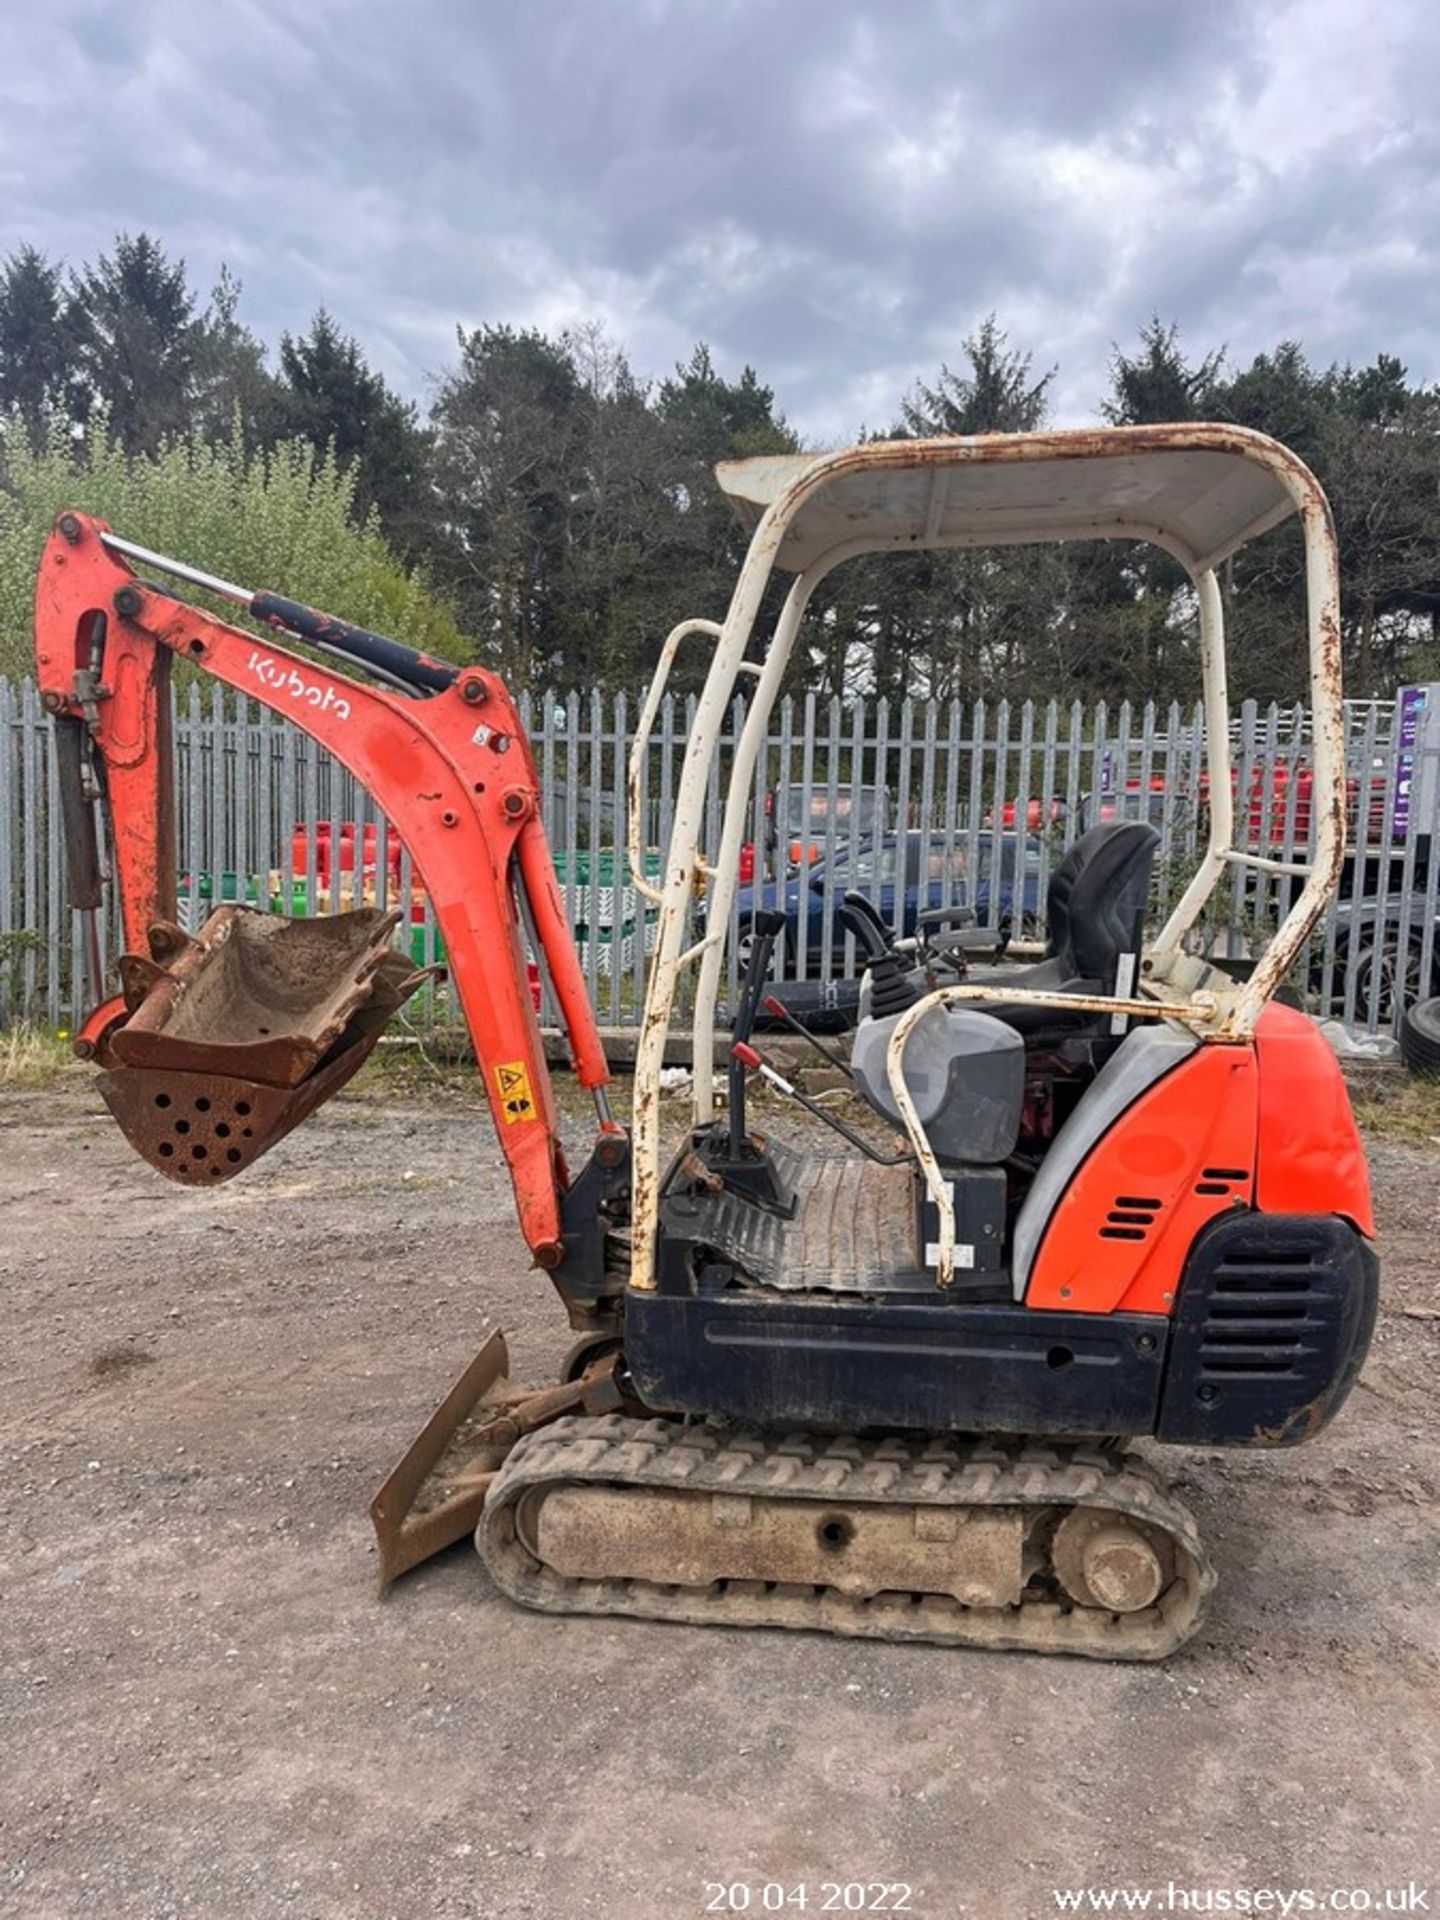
[[32, 1058], [1398, 1106], [426, 1068]]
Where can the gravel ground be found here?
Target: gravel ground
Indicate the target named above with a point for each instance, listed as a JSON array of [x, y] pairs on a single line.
[[206, 1711]]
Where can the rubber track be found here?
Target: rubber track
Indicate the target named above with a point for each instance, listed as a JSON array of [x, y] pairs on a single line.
[[612, 1450]]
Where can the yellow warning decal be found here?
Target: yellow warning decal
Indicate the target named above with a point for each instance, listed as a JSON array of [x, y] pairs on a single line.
[[515, 1097]]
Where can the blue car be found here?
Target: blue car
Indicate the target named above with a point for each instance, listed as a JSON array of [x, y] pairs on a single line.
[[937, 873]]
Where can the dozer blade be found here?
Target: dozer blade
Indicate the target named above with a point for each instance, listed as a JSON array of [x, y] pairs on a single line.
[[434, 1494], [436, 1491], [234, 1037]]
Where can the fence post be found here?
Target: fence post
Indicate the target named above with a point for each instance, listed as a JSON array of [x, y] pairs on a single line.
[[247, 783]]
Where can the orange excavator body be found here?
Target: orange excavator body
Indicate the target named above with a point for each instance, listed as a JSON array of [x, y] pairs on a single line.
[[840, 1392], [1260, 1126]]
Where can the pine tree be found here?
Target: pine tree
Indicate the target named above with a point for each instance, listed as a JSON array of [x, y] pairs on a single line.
[[133, 319], [36, 344], [232, 380], [1159, 385], [330, 396], [996, 394], [512, 426]]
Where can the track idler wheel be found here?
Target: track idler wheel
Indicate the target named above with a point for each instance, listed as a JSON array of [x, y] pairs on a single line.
[[1104, 1560]]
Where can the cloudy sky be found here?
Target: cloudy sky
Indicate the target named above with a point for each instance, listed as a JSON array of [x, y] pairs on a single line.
[[834, 191]]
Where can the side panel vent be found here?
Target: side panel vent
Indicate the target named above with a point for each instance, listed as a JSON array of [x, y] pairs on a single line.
[[1224, 1183], [1130, 1218], [1257, 1317], [1273, 1320]]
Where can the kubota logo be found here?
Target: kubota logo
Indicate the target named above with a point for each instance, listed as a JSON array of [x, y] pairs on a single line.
[[286, 680]]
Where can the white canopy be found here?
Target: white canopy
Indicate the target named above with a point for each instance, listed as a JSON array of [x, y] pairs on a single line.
[[1200, 490]]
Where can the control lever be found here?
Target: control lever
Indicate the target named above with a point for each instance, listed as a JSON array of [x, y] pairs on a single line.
[[860, 917], [744, 1059], [766, 926], [777, 1010]]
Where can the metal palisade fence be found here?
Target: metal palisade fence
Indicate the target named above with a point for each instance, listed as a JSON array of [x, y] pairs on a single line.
[[918, 804]]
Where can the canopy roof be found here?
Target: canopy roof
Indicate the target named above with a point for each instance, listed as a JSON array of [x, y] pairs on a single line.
[[1200, 490]]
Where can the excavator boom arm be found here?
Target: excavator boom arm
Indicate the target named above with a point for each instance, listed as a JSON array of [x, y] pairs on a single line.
[[451, 768]]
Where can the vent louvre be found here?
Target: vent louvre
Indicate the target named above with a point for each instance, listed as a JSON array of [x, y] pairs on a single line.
[[1273, 1318], [1257, 1319], [1242, 1262], [1219, 1317], [1270, 1333], [1219, 1182], [1130, 1217], [1275, 1365]]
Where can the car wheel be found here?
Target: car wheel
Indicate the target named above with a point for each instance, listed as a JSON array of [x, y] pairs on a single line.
[[1400, 983], [1420, 1037]]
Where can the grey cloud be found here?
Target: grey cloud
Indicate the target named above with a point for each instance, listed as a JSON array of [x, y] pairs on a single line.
[[831, 190]]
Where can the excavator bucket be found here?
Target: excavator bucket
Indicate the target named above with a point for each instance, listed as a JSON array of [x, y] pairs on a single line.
[[234, 1036]]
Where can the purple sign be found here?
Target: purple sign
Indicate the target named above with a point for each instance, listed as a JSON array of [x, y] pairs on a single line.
[[1407, 733]]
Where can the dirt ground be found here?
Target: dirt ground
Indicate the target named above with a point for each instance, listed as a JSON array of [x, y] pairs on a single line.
[[206, 1711]]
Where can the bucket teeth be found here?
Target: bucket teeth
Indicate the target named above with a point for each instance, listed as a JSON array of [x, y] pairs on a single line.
[[235, 1035], [253, 994]]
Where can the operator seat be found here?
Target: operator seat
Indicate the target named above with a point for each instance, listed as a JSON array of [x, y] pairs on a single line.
[[965, 1066], [1094, 907]]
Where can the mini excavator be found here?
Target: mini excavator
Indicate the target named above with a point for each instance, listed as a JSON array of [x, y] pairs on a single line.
[[884, 1391]]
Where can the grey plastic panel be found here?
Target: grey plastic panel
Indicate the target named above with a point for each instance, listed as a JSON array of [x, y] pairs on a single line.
[[965, 1071], [1142, 1058]]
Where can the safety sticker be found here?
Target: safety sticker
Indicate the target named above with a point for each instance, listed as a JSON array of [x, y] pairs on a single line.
[[515, 1097]]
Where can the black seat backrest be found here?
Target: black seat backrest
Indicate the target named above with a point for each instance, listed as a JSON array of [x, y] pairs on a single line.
[[1096, 897]]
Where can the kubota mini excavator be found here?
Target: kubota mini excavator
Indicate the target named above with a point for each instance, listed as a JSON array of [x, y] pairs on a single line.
[[878, 1391]]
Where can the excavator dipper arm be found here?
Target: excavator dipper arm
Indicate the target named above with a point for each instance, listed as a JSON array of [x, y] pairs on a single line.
[[439, 748]]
